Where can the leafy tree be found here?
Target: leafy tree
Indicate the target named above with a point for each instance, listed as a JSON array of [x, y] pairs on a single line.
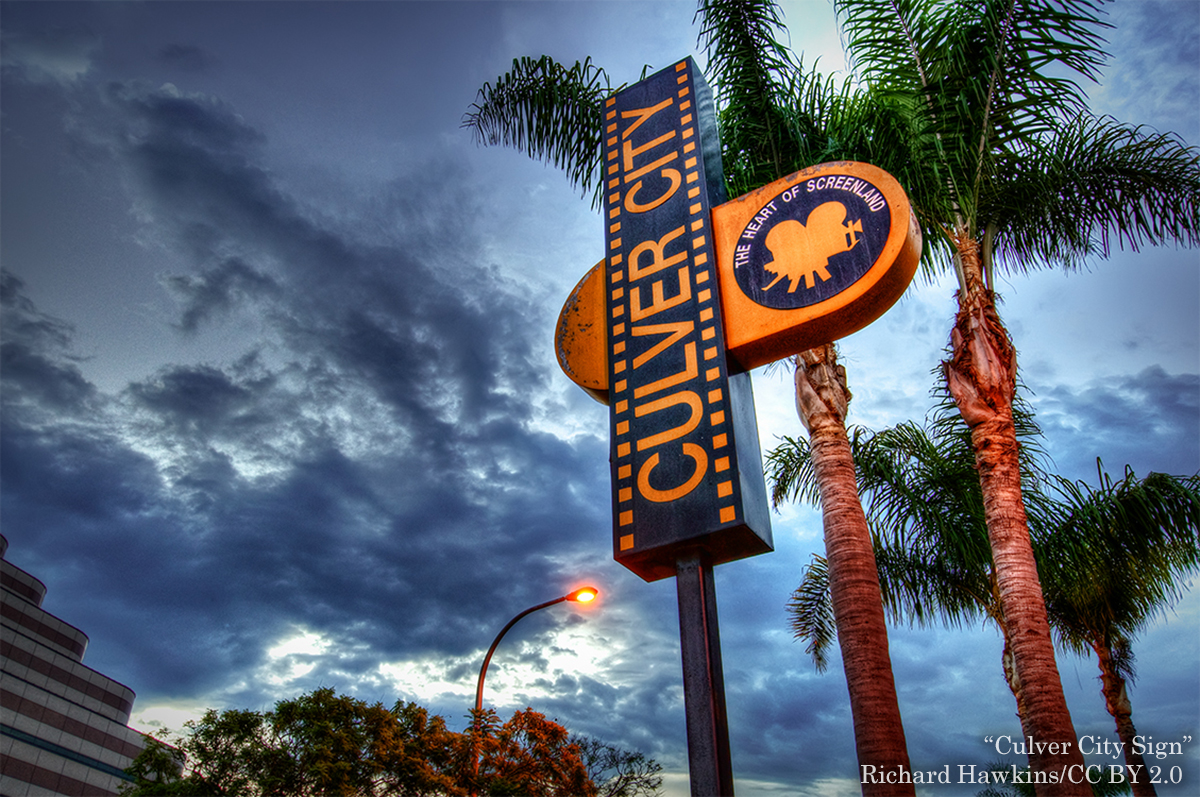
[[327, 744], [529, 755], [617, 772], [774, 118], [1110, 558], [1008, 169], [156, 771]]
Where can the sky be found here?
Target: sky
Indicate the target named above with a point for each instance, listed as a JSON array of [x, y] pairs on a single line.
[[281, 409]]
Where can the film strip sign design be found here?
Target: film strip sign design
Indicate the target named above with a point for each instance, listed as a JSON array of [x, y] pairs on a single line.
[[686, 469]]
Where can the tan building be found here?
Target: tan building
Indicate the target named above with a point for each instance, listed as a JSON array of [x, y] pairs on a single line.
[[63, 726]]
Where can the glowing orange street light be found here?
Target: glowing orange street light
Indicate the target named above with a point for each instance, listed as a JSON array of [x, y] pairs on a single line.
[[581, 595]]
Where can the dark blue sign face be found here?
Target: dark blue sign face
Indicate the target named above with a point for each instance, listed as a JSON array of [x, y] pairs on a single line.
[[812, 241], [684, 445]]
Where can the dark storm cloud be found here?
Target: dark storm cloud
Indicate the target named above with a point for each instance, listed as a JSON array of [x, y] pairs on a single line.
[[1158, 52], [48, 53], [368, 469], [34, 355], [184, 56], [216, 291], [1150, 421]]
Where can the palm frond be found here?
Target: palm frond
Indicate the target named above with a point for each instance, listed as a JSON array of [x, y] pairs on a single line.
[[924, 590], [1119, 557], [1095, 184], [982, 81], [789, 469], [550, 112], [811, 608], [750, 68]]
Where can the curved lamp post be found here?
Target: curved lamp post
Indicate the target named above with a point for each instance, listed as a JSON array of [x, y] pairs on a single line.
[[581, 595]]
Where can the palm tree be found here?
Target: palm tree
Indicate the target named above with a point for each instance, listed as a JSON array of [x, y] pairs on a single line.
[[1113, 563], [1110, 558], [774, 118], [1024, 176], [924, 501]]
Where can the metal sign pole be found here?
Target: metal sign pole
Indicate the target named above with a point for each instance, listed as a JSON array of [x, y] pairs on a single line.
[[709, 764]]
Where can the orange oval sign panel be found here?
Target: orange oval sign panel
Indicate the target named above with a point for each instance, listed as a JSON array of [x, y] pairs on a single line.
[[580, 339], [811, 258], [801, 262]]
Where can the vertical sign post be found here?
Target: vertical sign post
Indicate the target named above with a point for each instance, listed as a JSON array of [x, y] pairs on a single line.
[[688, 487]]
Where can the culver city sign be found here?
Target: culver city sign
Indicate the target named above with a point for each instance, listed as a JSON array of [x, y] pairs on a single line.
[[693, 292]]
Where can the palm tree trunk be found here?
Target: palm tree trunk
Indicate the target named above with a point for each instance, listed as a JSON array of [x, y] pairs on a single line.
[[1117, 702], [821, 399], [981, 375]]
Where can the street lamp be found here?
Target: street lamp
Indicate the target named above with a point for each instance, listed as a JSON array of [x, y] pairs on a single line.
[[581, 595]]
